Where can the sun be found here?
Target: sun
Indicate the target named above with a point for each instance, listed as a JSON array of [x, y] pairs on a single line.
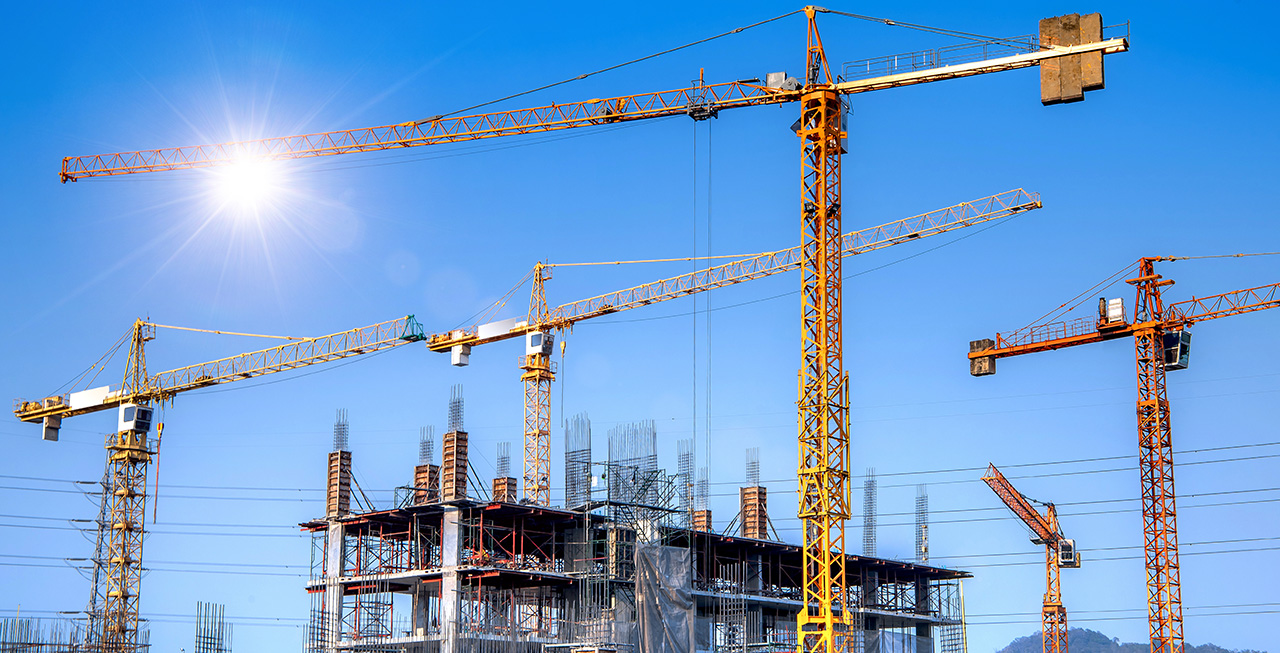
[[248, 185]]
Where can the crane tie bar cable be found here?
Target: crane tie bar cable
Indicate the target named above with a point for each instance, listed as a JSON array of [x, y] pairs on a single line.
[[226, 333], [609, 68]]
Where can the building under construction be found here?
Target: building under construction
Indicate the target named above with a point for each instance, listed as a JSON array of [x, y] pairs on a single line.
[[630, 562]]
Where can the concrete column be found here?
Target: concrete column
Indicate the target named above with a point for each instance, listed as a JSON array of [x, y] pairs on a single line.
[[450, 589], [753, 583], [924, 630], [870, 583], [335, 548]]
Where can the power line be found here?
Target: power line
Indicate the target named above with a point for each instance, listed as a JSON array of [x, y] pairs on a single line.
[[951, 470]]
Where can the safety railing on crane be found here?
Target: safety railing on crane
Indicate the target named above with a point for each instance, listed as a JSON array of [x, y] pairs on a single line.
[[1044, 332], [990, 48]]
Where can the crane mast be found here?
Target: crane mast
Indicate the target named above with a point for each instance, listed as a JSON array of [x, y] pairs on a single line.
[[1153, 357], [823, 468]]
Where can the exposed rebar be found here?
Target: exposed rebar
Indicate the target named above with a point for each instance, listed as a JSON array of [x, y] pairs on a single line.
[[427, 445], [455, 409], [341, 431], [869, 501], [503, 466]]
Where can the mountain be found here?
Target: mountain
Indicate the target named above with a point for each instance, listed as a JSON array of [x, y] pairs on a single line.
[[1081, 640]]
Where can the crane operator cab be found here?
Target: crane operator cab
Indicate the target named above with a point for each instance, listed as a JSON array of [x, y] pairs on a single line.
[[1177, 349], [135, 418], [539, 342], [1068, 557]]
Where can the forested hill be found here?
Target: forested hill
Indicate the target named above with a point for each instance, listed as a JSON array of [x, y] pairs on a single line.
[[1080, 640]]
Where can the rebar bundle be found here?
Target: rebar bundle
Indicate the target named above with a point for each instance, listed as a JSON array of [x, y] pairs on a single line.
[[341, 431], [213, 633], [869, 501], [702, 496], [455, 409], [684, 472], [503, 466], [922, 523], [577, 461], [426, 445]]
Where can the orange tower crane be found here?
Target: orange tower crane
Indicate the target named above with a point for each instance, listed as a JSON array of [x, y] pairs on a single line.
[[1161, 342], [1069, 52], [1059, 552], [129, 451]]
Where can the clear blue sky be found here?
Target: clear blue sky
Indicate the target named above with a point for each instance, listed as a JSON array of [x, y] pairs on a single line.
[[1175, 157]]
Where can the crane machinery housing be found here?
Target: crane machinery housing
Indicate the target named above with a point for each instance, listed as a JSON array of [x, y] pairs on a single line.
[[1069, 52]]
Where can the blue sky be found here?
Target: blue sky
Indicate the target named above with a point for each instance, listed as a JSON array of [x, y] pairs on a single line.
[[1175, 157]]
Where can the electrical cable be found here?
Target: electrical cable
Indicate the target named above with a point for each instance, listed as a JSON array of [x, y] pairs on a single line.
[[926, 28]]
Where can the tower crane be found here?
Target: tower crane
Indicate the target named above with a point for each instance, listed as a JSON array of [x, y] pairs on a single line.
[[1162, 342], [129, 452], [540, 325], [1069, 53], [1059, 552]]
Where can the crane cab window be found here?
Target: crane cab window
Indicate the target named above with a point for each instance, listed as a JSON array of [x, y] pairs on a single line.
[[1177, 349]]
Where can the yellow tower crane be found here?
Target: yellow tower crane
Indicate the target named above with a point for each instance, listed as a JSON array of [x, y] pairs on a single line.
[[113, 627], [1069, 52], [542, 323], [1059, 552]]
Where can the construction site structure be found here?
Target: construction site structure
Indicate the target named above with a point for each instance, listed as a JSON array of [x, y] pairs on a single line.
[[1059, 553], [480, 576], [1162, 342], [1072, 46]]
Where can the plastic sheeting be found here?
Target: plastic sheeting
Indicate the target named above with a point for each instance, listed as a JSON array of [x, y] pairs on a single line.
[[664, 599]]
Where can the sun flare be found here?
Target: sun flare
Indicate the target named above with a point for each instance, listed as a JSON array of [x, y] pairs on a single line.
[[248, 185]]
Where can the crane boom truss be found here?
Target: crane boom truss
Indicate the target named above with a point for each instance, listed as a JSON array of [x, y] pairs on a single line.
[[698, 101], [1053, 614], [965, 214], [1021, 507], [165, 385], [1084, 330]]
